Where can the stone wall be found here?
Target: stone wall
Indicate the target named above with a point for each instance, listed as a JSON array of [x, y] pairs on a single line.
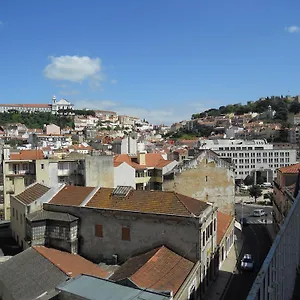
[[206, 178]]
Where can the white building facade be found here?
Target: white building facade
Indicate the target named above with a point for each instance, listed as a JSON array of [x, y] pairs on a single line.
[[252, 156]]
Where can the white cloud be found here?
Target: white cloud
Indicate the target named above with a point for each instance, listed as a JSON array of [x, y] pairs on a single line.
[[158, 115], [74, 68], [292, 29], [113, 81]]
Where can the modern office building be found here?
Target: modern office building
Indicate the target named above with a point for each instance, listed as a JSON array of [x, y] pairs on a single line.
[[252, 156]]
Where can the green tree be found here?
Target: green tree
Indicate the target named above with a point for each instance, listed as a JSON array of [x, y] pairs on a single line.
[[249, 180], [295, 107], [255, 191]]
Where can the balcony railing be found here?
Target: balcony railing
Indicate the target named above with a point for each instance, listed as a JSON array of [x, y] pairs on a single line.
[[276, 278]]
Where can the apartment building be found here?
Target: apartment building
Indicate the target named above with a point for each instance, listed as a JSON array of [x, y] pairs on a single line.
[[126, 145], [250, 157], [29, 166], [18, 172], [116, 224], [144, 171], [294, 135], [284, 187]]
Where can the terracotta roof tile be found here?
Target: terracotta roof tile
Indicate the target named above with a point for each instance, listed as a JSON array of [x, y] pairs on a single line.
[[223, 222], [71, 264], [71, 195], [152, 160], [159, 202], [293, 169], [32, 193], [27, 155], [160, 269]]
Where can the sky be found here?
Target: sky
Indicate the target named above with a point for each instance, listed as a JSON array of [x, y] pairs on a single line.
[[161, 60]]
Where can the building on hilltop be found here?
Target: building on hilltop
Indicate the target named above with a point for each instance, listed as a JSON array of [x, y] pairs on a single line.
[[53, 108]]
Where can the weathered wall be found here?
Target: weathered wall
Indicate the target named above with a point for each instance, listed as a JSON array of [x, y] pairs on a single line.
[[99, 171], [18, 221], [192, 281], [124, 175], [146, 232], [205, 180], [48, 174]]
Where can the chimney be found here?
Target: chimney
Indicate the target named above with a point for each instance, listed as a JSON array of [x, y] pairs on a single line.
[[142, 158]]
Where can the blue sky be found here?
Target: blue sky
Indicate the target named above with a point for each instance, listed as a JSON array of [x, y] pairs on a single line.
[[161, 60]]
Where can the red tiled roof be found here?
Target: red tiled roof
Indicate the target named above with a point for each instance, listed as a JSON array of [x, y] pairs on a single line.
[[293, 169], [32, 193], [71, 264], [223, 222], [152, 160], [159, 202], [71, 195], [27, 105], [27, 155], [160, 269]]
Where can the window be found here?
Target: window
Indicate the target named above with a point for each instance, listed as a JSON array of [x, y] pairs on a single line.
[[265, 154], [17, 217], [125, 233], [203, 238], [206, 178], [13, 211], [98, 230], [21, 219], [215, 224], [42, 166]]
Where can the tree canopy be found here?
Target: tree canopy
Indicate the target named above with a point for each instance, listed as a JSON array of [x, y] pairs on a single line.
[[35, 119], [282, 105]]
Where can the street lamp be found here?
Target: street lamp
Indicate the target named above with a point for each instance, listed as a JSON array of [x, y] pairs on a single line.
[[242, 219]]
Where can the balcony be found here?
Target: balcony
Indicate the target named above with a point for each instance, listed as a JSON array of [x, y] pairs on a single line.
[[277, 276], [20, 173]]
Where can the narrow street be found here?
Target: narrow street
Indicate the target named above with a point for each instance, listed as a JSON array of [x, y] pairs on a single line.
[[256, 242]]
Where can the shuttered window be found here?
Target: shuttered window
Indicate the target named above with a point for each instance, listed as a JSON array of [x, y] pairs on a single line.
[[125, 233], [98, 230]]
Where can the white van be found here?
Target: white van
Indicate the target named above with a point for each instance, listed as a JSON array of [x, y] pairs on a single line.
[[258, 212]]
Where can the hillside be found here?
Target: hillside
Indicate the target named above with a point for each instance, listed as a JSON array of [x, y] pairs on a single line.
[[38, 119], [281, 104]]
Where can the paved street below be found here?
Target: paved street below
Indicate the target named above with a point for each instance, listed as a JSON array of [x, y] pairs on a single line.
[[257, 242]]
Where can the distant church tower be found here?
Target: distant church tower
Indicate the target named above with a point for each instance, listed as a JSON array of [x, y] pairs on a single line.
[[53, 100], [54, 106]]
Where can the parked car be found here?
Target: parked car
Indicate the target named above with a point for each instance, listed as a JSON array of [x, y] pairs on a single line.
[[267, 185], [247, 262], [259, 213], [244, 188]]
